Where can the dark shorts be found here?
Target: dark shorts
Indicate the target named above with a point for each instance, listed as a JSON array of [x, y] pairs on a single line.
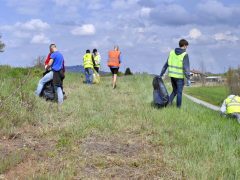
[[114, 70], [58, 77]]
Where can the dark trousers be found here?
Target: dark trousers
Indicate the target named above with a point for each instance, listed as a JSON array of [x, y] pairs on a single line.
[[177, 85]]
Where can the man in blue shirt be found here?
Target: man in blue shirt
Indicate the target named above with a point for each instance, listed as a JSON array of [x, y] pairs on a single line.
[[56, 64]]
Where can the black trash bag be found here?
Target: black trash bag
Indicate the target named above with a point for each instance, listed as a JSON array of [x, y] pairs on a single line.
[[48, 92], [160, 94]]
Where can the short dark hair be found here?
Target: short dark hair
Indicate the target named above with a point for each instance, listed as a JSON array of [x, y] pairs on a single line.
[[52, 45], [87, 51], [94, 50], [183, 42]]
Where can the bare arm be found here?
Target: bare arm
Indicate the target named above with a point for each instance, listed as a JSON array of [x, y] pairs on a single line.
[[50, 63], [223, 107]]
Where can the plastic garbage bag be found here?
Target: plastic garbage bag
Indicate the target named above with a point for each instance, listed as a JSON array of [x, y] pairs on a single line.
[[96, 77], [160, 93]]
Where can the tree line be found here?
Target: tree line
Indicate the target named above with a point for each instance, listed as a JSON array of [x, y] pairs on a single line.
[[2, 45]]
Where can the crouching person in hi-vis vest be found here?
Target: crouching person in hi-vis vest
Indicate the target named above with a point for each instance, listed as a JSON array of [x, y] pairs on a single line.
[[178, 68], [88, 65], [114, 62], [231, 107]]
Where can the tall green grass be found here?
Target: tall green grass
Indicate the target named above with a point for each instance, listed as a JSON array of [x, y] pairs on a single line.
[[18, 104], [213, 94], [194, 141]]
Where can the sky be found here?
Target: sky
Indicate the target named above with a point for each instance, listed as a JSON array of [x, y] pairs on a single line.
[[145, 31]]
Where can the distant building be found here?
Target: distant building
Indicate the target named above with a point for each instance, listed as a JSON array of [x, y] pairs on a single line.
[[217, 79], [197, 74]]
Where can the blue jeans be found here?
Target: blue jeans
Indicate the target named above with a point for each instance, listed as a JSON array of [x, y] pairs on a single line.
[[59, 92], [177, 85], [89, 75], [44, 80]]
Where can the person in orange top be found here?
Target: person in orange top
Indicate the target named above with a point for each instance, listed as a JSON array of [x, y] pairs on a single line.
[[114, 62]]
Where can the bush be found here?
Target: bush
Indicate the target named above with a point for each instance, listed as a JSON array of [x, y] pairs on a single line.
[[233, 77], [17, 103], [128, 72], [2, 45]]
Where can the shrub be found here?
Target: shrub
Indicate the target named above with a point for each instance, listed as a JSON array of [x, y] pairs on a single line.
[[233, 77], [128, 72]]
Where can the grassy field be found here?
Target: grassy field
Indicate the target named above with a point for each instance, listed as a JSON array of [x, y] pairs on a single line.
[[213, 94], [101, 133]]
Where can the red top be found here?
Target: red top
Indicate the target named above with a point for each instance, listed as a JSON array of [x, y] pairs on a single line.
[[47, 59]]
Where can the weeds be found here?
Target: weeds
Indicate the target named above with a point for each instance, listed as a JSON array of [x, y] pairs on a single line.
[[233, 77], [105, 134]]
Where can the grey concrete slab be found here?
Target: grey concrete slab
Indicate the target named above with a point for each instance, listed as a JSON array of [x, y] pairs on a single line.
[[203, 103]]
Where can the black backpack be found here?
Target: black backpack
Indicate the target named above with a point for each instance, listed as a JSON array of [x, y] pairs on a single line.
[[160, 94]]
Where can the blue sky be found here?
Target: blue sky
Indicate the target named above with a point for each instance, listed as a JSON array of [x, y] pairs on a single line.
[[145, 30]]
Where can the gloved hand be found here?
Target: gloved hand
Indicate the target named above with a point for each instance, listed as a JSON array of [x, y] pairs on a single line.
[[188, 82]]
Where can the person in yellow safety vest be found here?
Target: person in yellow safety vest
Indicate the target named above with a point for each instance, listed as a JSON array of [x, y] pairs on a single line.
[[88, 65], [97, 59], [231, 107], [178, 68]]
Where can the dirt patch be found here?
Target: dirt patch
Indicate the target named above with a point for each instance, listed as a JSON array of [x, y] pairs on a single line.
[[31, 148], [123, 156], [126, 155], [114, 145]]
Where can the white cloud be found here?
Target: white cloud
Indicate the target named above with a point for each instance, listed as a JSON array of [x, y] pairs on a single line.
[[165, 49], [215, 8], [67, 2], [145, 11], [95, 5], [124, 4], [40, 39], [6, 28], [118, 4], [84, 30], [21, 34], [195, 33], [28, 7], [62, 2], [33, 24], [227, 36]]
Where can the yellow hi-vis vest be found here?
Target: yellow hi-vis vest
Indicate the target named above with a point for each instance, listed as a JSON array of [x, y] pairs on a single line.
[[87, 61], [97, 60], [175, 65], [233, 105]]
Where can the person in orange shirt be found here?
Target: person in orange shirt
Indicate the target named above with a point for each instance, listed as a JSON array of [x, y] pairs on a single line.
[[114, 62]]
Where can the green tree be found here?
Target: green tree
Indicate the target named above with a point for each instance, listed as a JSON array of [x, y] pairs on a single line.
[[128, 71], [2, 45]]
